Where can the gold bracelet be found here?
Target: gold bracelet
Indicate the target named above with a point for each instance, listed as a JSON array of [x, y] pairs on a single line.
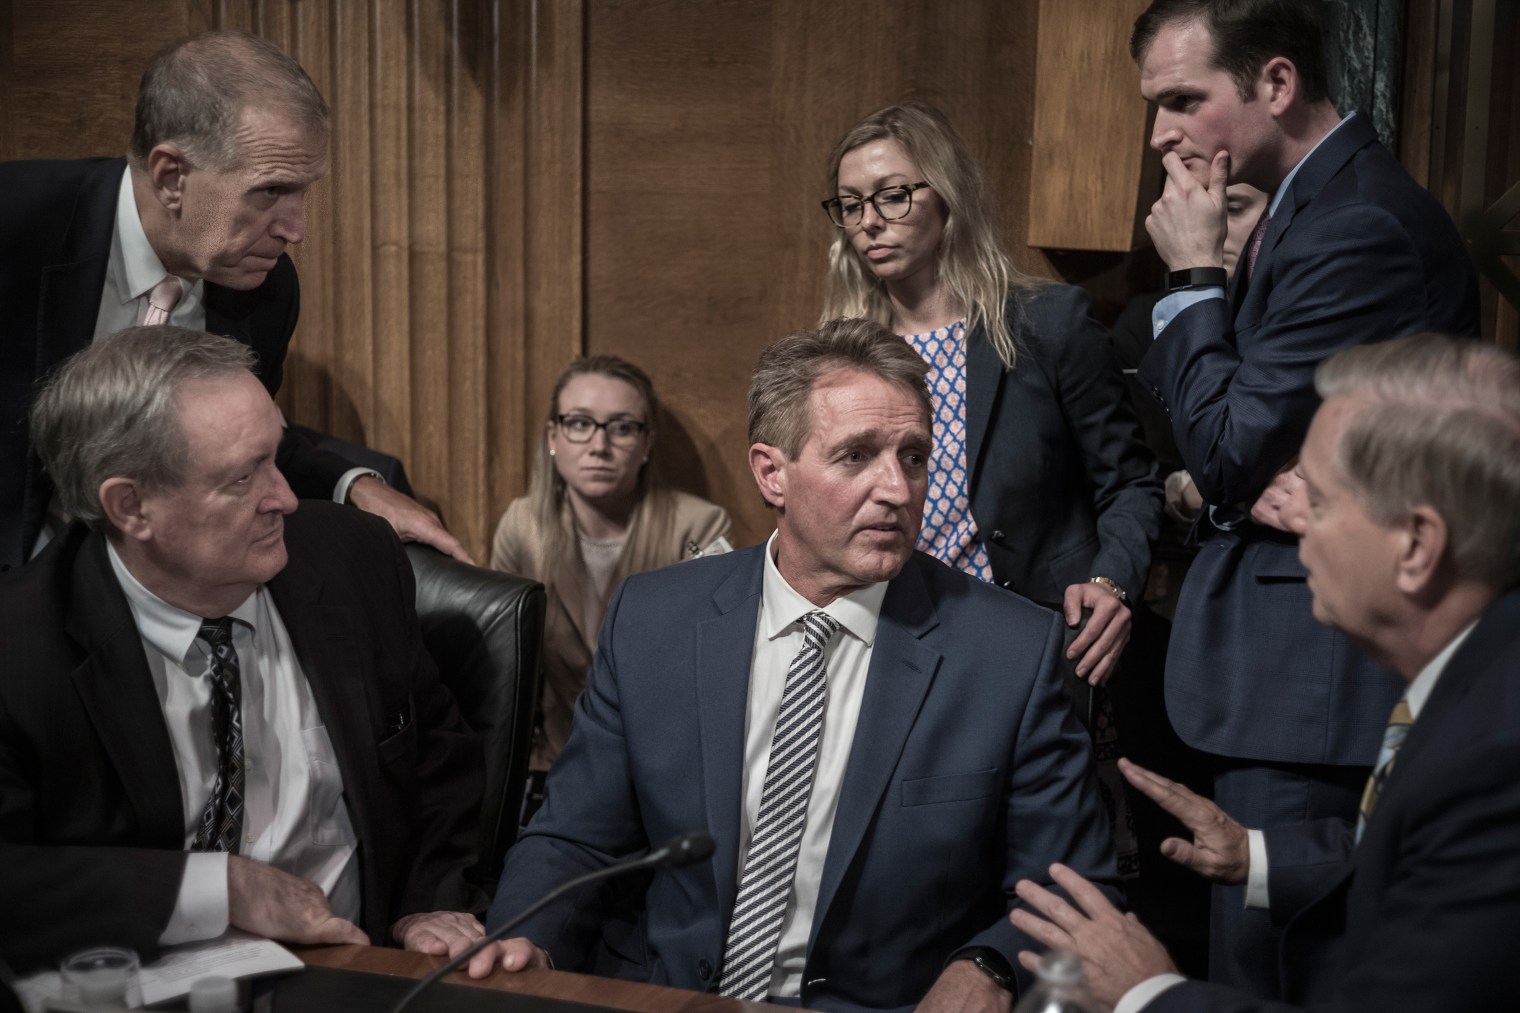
[[1108, 582]]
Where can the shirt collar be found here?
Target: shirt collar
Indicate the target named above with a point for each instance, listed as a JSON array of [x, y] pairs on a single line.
[[133, 264], [170, 630], [1288, 179], [858, 612], [1419, 690]]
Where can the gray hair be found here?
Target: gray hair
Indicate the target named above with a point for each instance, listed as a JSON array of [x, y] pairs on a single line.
[[110, 411], [781, 390], [1440, 428], [195, 91]]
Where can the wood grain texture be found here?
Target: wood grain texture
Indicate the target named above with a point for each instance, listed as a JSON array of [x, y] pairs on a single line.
[[513, 182], [1091, 179], [605, 993]]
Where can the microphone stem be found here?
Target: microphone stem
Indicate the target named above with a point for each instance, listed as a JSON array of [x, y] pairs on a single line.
[[651, 859]]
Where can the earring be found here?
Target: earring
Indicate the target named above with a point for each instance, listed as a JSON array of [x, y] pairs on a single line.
[[551, 451]]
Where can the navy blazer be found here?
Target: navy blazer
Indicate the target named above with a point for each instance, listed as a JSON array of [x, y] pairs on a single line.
[[1423, 913], [56, 222], [968, 773], [1062, 486], [92, 822], [1357, 252]]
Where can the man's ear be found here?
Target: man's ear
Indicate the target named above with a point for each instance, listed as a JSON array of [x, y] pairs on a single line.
[[167, 168], [768, 465], [1423, 540], [1278, 84], [122, 504]]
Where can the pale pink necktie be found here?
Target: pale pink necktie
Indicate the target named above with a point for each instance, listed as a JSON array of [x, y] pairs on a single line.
[[161, 301]]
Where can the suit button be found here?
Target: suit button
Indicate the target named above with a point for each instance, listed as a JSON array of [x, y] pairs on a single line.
[[1006, 584], [997, 536], [704, 970]]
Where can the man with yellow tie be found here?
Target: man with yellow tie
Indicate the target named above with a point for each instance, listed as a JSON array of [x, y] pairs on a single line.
[[1409, 527]]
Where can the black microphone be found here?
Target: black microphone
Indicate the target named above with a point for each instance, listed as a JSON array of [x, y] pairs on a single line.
[[680, 851]]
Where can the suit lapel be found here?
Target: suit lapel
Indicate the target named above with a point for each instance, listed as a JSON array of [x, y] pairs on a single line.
[[325, 641], [117, 690], [902, 670], [1327, 160], [1493, 634], [985, 377], [725, 650]]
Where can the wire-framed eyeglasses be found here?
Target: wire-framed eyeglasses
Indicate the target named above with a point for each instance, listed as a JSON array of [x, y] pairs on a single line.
[[620, 432], [890, 202]]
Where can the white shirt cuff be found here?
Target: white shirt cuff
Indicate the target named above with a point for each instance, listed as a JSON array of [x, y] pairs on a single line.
[[352, 475], [1141, 995], [200, 910], [1170, 305], [1256, 873]]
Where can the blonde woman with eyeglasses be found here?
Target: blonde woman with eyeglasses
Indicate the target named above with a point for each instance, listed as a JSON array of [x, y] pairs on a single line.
[[596, 511]]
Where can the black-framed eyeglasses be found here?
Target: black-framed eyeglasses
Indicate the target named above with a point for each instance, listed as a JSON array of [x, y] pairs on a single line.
[[620, 432], [890, 202]]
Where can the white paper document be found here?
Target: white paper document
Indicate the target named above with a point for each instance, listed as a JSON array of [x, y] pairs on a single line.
[[233, 954]]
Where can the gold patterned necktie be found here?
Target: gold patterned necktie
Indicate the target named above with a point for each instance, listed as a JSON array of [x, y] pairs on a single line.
[[1393, 737]]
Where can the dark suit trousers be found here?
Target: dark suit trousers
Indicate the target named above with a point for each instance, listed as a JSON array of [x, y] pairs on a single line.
[[1244, 946]]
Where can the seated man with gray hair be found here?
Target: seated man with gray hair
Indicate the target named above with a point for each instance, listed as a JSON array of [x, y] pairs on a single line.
[[216, 709], [879, 745], [1409, 526]]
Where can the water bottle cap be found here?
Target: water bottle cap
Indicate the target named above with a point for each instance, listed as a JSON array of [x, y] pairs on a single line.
[[1061, 967], [214, 993]]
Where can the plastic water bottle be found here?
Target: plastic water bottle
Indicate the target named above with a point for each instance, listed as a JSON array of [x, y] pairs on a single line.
[[1060, 988]]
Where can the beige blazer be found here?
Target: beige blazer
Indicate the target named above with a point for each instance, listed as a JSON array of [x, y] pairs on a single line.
[[570, 631]]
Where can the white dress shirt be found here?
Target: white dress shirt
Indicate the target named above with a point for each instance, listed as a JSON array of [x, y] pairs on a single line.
[[294, 816], [132, 269], [1137, 998], [778, 639]]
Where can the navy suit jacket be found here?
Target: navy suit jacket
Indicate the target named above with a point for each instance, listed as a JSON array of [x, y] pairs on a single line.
[[92, 822], [1423, 914], [1357, 252], [56, 223], [1062, 487], [968, 772]]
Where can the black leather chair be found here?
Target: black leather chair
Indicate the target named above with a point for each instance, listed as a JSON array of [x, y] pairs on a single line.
[[485, 631]]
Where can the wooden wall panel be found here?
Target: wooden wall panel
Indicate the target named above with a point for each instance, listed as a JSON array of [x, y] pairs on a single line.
[[708, 127], [516, 181]]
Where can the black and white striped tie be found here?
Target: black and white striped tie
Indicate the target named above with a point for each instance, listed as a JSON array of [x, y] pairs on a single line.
[[755, 928], [221, 826]]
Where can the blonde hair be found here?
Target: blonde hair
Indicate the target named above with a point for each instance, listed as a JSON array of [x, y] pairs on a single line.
[[972, 263], [651, 525], [1441, 428]]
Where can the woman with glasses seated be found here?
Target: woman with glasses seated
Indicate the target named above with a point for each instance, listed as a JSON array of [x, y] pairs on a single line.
[[1039, 480], [596, 511]]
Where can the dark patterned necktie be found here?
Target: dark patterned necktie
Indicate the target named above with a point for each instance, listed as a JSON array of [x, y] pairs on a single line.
[[755, 928], [222, 823], [1253, 245]]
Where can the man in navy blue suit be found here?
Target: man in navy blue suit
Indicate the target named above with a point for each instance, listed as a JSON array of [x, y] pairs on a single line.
[[944, 763], [1408, 520], [1350, 251]]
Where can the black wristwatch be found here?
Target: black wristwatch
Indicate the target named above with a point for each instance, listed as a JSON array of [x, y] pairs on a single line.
[[1196, 277], [990, 962]]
